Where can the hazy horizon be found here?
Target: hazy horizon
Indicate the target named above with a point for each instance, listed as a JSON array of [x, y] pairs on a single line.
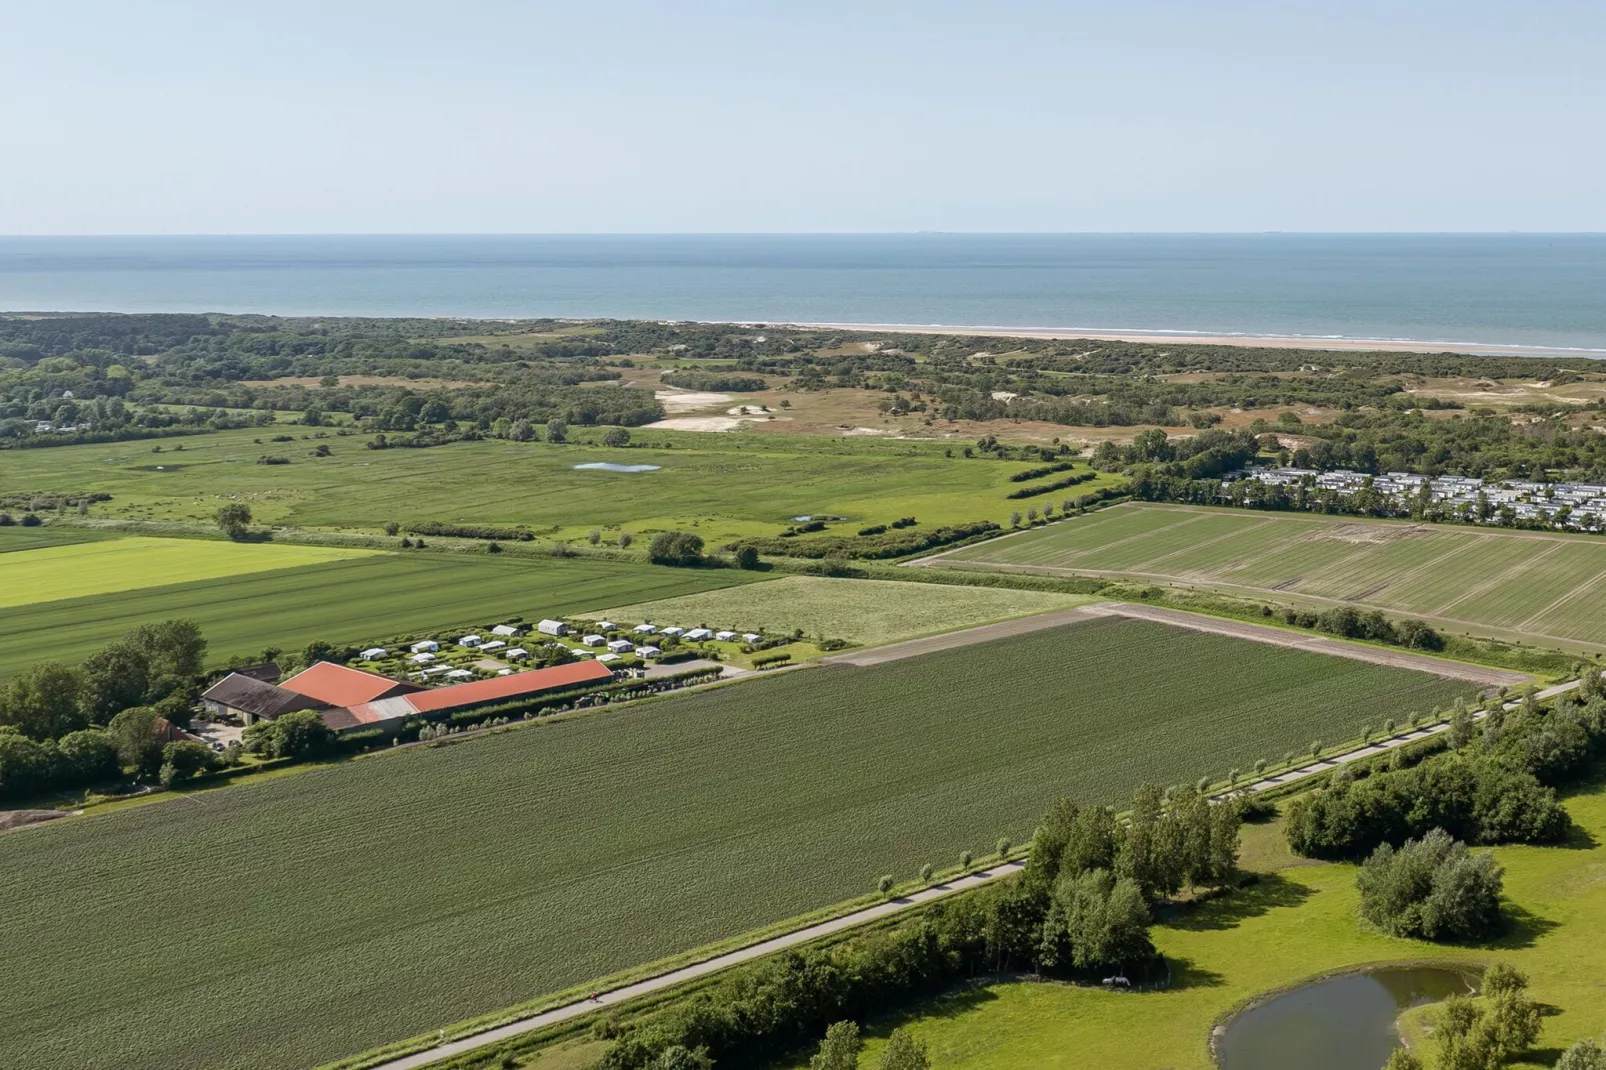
[[874, 117]]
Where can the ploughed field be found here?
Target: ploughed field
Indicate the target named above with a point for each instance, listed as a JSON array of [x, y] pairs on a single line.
[[1530, 585], [247, 597], [305, 917]]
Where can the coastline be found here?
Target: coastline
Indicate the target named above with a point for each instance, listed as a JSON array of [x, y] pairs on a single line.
[[1353, 345]]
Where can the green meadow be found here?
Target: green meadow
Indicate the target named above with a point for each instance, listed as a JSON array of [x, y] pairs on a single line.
[[439, 883], [720, 486], [1298, 922]]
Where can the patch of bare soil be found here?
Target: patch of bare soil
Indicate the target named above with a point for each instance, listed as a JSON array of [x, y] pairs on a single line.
[[1375, 534], [16, 819]]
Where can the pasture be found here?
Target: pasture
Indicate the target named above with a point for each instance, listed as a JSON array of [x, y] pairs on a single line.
[[1298, 922], [859, 611], [1534, 586], [354, 600], [430, 885], [720, 486], [82, 569]]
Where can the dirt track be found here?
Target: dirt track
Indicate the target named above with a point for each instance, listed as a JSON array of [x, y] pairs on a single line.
[[1254, 633]]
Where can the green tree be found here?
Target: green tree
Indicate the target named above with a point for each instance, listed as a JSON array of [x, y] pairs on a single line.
[[904, 1052], [747, 557], [616, 437], [133, 734], [27, 766], [1431, 888], [675, 548], [676, 1057], [1094, 922], [1460, 728], [234, 519], [840, 1048], [115, 678], [183, 760], [42, 702], [521, 431], [87, 756], [1586, 1054], [557, 430], [301, 734]]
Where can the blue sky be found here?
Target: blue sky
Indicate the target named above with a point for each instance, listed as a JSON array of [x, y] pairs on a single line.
[[346, 116]]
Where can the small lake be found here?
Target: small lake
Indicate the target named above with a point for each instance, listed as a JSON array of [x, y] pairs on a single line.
[[1342, 1023], [609, 466]]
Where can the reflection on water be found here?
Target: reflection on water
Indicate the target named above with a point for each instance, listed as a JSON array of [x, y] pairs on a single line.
[[609, 466], [1343, 1023]]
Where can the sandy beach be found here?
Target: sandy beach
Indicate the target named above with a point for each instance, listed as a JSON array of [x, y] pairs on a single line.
[[1369, 345]]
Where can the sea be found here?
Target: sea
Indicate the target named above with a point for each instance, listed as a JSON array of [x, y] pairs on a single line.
[[1514, 292]]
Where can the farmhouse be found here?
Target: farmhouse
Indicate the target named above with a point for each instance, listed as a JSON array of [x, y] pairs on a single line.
[[349, 699], [443, 701]]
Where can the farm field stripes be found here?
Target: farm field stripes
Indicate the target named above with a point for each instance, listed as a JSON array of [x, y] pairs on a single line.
[[513, 865], [103, 567], [860, 611], [350, 601], [1525, 585], [21, 538]]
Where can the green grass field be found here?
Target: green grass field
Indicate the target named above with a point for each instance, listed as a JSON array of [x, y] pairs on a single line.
[[295, 920], [21, 538], [1299, 922], [82, 569], [1527, 585], [351, 601], [860, 611], [721, 486]]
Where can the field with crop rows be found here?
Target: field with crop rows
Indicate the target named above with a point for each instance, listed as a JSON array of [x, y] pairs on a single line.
[[298, 919], [721, 486], [1527, 585], [81, 569], [860, 611], [349, 601]]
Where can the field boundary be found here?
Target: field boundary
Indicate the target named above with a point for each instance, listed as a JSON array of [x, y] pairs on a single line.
[[1255, 633]]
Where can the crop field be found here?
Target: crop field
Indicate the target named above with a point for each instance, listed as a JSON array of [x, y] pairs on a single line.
[[81, 569], [720, 486], [860, 611], [1526, 585], [347, 601], [434, 884], [20, 538]]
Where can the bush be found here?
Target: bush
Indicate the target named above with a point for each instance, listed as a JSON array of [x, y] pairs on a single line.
[[1431, 888], [30, 521], [747, 557], [301, 734], [184, 760], [676, 548]]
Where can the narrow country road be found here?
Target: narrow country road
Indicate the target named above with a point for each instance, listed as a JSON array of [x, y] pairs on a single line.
[[701, 969]]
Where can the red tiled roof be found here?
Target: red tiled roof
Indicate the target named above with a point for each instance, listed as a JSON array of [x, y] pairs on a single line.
[[337, 685], [514, 685]]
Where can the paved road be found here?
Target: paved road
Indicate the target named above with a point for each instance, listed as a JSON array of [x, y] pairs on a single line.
[[701, 969]]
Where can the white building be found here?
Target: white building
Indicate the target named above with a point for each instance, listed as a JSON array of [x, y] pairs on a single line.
[[552, 627]]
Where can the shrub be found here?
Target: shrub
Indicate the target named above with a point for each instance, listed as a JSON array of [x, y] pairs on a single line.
[[1431, 888], [301, 734], [675, 548]]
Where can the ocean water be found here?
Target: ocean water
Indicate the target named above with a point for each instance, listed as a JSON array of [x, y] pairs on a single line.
[[1543, 292]]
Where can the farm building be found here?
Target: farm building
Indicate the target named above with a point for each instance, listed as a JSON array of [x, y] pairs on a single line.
[[552, 627], [349, 699], [252, 700], [442, 701]]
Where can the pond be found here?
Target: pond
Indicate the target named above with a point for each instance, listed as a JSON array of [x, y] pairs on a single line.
[[609, 466], [1341, 1023]]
